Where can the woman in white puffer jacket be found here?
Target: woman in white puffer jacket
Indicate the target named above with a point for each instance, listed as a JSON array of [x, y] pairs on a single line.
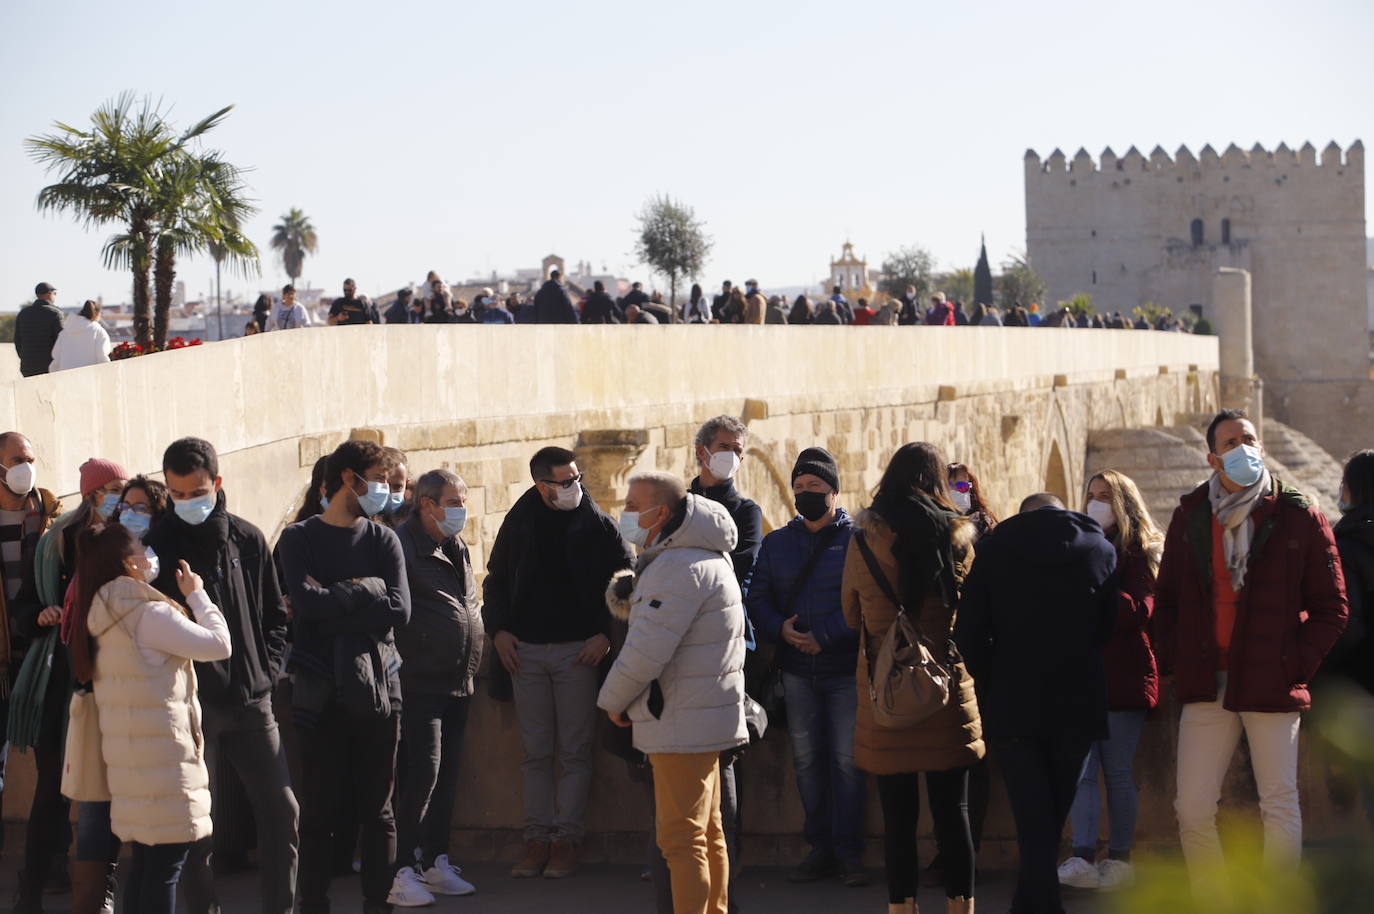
[[82, 340], [145, 690]]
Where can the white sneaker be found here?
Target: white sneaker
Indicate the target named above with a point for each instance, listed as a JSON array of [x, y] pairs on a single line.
[[1079, 874], [442, 878], [1115, 873], [407, 891]]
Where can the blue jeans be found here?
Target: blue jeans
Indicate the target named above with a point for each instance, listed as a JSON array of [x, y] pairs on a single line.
[[94, 839], [151, 885], [820, 721], [1116, 757]]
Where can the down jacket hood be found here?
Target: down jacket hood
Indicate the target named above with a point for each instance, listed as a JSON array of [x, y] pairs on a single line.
[[706, 524]]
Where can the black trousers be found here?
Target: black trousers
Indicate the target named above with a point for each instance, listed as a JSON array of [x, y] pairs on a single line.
[[433, 726], [150, 886], [900, 797], [326, 785], [248, 739], [48, 832], [1041, 774]]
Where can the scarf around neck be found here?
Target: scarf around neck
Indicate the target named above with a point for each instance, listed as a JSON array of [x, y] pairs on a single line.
[[1232, 511]]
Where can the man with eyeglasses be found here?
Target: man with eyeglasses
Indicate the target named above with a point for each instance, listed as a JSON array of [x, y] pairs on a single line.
[[546, 613]]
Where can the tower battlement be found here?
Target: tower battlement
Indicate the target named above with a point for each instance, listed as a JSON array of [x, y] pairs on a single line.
[[1183, 161]]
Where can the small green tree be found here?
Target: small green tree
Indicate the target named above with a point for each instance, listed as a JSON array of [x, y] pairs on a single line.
[[294, 237], [1019, 283], [982, 277], [1203, 327], [672, 242], [1080, 306], [1152, 312], [908, 266], [958, 285]]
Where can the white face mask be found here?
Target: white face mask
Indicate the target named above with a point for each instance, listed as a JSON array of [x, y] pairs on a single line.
[[962, 500], [21, 478], [567, 499], [724, 464], [1101, 512]]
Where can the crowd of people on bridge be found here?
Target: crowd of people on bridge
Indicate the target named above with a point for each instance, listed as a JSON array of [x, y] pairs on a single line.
[[908, 632]]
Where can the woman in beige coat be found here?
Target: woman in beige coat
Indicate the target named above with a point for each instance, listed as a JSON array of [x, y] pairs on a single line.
[[145, 690], [923, 547]]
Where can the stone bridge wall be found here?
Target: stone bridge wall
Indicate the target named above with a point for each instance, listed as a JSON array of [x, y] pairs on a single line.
[[1015, 404]]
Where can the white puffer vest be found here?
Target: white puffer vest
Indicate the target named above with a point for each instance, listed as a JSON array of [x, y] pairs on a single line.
[[149, 726]]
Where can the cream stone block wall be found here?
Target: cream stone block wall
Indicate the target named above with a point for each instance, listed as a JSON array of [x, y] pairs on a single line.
[[1015, 403]]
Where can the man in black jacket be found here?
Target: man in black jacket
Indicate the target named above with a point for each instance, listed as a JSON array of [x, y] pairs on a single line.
[[720, 301], [720, 451], [36, 329], [441, 647], [547, 617], [601, 309], [1037, 607], [239, 727], [552, 304]]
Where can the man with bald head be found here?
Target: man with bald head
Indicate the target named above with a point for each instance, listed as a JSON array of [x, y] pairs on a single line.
[[1036, 609], [25, 513]]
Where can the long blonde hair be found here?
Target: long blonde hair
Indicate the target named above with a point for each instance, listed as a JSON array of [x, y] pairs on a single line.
[[1135, 528]]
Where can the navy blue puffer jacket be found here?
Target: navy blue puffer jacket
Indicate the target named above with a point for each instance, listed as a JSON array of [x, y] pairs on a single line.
[[817, 606]]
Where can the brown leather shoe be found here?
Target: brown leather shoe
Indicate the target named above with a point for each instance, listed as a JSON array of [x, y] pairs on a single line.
[[532, 864], [563, 860]]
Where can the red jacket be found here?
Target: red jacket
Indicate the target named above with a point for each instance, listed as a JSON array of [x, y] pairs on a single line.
[[1291, 609], [1132, 680]]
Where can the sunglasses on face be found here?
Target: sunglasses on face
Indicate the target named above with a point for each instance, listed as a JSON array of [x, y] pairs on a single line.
[[961, 486], [563, 484]]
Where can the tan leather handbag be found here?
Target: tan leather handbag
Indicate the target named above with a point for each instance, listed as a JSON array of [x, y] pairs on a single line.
[[83, 769], [906, 682]]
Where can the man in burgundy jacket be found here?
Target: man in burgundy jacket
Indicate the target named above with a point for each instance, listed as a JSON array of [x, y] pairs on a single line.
[[1250, 598]]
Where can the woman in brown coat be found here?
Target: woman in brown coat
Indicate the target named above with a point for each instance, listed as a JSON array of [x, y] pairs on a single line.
[[924, 548]]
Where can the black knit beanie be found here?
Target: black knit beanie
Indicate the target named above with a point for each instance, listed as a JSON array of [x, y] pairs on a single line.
[[818, 462]]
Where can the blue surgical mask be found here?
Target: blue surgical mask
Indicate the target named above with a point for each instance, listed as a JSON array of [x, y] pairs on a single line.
[[324, 502], [455, 519], [1243, 465], [196, 511], [107, 505], [394, 502], [1343, 506], [631, 530], [154, 565], [135, 523], [375, 498]]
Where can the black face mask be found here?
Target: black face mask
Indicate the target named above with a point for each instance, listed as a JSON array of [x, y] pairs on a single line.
[[811, 505]]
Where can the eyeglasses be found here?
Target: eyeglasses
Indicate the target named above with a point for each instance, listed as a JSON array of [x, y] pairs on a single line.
[[563, 484], [125, 508], [961, 486]]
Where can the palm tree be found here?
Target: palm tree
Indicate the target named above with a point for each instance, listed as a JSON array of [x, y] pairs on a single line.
[[201, 202], [294, 236], [110, 173]]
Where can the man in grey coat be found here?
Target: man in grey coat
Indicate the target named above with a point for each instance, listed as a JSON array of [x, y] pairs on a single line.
[[679, 680]]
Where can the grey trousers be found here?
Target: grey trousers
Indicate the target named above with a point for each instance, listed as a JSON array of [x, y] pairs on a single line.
[[248, 739], [555, 703]]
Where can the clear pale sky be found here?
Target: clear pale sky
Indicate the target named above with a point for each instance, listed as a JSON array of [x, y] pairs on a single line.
[[467, 137]]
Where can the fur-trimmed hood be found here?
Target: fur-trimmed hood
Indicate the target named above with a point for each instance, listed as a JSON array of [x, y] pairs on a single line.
[[706, 524], [873, 525]]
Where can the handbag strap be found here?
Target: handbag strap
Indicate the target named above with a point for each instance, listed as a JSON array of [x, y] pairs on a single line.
[[823, 542], [879, 577]]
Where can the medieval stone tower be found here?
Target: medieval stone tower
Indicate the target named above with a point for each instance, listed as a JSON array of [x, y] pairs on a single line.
[[1132, 230]]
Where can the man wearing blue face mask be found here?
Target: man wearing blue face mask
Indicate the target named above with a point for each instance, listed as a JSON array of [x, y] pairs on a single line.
[[240, 729], [346, 577], [1249, 599], [441, 648]]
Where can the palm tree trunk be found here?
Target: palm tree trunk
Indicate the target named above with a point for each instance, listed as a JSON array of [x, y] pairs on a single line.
[[141, 262], [672, 297], [164, 274]]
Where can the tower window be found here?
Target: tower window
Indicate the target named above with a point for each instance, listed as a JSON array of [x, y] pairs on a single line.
[[1226, 231], [1196, 229], [1094, 277]]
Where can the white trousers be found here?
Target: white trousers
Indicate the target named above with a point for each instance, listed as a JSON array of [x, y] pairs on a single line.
[[1207, 738]]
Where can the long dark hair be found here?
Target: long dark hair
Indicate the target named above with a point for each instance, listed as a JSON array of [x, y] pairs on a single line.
[[100, 559], [801, 311], [917, 467], [310, 506]]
